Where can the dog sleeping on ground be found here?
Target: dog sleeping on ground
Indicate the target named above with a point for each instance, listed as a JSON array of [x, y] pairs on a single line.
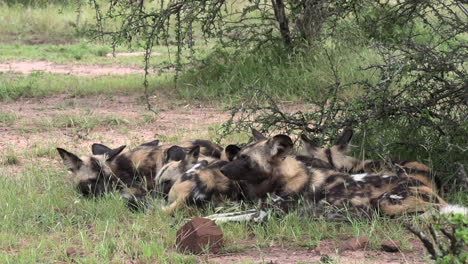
[[269, 167], [196, 180], [336, 156], [130, 172]]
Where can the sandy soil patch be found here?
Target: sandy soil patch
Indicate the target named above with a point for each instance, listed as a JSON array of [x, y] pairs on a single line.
[[176, 119], [280, 255], [27, 67]]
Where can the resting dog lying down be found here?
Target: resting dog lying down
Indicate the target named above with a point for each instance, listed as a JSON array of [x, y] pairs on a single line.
[[131, 172], [194, 181], [268, 167], [336, 156]]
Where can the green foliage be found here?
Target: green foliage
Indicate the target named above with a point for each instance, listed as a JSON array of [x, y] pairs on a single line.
[[303, 76], [449, 234], [407, 100]]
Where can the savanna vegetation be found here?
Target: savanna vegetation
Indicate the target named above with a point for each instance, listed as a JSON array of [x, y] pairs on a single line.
[[394, 71]]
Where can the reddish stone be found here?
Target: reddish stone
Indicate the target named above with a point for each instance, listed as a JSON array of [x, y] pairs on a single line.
[[354, 243], [391, 246], [71, 252], [200, 235]]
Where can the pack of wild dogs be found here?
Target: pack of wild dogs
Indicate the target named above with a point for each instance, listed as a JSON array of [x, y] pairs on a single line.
[[198, 172]]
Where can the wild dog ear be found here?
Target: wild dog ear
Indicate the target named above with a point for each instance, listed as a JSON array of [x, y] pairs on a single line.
[[257, 135], [231, 151], [114, 153], [343, 141], [153, 143], [280, 146], [70, 160], [192, 155], [310, 143], [99, 149], [174, 153]]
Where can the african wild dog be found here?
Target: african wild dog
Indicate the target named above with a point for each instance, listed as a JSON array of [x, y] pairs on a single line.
[[109, 169], [268, 167], [202, 182], [336, 156], [178, 162]]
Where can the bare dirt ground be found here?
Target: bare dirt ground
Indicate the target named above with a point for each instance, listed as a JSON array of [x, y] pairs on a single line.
[[133, 123], [27, 67], [327, 249]]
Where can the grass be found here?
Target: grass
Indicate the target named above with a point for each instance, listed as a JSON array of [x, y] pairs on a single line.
[[304, 76], [51, 219], [53, 22], [84, 52], [7, 119], [40, 84], [44, 218]]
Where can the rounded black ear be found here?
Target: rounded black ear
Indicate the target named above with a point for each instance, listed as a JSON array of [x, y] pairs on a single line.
[[281, 146], [70, 160], [345, 137], [231, 151], [175, 153], [192, 155], [114, 153], [257, 135], [312, 143], [99, 149], [153, 143]]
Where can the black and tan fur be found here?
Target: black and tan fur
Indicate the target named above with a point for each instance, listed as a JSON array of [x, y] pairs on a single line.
[[109, 169], [268, 166], [200, 183], [337, 157], [178, 162]]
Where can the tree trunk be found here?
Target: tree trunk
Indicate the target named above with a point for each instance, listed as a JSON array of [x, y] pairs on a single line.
[[280, 14]]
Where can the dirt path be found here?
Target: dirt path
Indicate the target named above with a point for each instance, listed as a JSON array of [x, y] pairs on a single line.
[[27, 67], [77, 122], [326, 250]]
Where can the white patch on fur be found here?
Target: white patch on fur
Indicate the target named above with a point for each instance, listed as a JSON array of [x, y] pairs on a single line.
[[454, 209], [275, 198], [194, 168], [394, 196], [386, 176], [359, 177], [198, 195]]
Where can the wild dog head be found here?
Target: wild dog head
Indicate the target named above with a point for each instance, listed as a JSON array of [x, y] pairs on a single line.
[[336, 155], [177, 162], [91, 175], [257, 161]]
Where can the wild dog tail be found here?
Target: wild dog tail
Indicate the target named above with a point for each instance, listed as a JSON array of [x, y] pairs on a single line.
[[454, 209]]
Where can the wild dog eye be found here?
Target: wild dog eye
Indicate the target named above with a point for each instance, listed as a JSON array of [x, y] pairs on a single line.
[[243, 157]]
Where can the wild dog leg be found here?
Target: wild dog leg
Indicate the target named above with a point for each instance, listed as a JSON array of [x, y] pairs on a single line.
[[178, 195]]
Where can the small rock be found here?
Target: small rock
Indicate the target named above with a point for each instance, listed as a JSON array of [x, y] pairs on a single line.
[[199, 235], [391, 246], [71, 252], [354, 243]]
